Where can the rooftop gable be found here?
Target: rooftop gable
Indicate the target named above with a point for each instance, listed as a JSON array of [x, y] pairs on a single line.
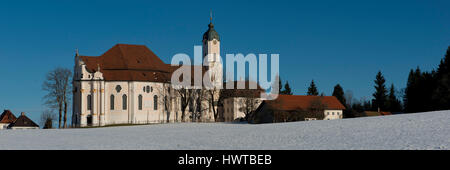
[[7, 117], [23, 121]]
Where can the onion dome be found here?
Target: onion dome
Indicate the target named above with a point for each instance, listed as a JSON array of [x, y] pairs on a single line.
[[211, 33]]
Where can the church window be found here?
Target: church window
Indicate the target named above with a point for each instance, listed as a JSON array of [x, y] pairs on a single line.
[[140, 102], [118, 88], [89, 102], [111, 102], [155, 102], [124, 102], [148, 89]]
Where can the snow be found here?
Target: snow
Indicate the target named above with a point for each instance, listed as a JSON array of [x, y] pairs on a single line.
[[430, 130]]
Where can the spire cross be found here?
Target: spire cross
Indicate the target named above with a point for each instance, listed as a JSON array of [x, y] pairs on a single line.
[[211, 16]]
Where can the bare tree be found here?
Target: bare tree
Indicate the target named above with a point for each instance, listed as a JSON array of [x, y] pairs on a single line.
[[214, 98], [248, 105], [199, 104], [47, 118], [348, 95], [316, 109], [57, 84], [185, 96], [167, 97]]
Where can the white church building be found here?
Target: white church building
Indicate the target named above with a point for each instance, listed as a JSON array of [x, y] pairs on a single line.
[[129, 84]]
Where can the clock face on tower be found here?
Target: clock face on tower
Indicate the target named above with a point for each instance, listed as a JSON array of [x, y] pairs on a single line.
[[215, 42]]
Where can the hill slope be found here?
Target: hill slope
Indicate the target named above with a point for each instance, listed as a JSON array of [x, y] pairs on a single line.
[[429, 130]]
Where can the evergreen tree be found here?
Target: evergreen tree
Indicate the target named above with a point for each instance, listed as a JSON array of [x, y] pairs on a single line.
[[312, 89], [409, 99], [393, 104], [338, 92], [379, 95], [441, 94], [280, 85], [419, 91], [287, 89]]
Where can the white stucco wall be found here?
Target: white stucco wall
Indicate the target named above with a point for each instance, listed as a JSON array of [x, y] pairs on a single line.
[[23, 128], [93, 84], [232, 108], [333, 114], [3, 125]]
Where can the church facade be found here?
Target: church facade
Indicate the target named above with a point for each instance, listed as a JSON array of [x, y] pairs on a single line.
[[129, 84]]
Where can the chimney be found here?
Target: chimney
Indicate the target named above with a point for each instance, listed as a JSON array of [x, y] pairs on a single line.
[[22, 114]]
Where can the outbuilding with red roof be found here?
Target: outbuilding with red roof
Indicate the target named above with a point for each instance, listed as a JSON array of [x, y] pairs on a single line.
[[298, 108]]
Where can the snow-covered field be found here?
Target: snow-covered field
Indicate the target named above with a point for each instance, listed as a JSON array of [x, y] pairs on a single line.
[[429, 130]]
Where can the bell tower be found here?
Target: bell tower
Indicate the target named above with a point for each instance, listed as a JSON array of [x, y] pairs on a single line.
[[211, 54]]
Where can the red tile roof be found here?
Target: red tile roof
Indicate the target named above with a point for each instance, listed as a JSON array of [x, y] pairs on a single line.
[[7, 117], [23, 121], [376, 113], [294, 102], [242, 92], [125, 62], [386, 113], [129, 62]]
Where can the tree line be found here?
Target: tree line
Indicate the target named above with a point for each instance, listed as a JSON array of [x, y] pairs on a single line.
[[425, 91]]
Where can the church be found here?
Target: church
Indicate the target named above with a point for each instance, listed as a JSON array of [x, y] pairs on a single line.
[[129, 84]]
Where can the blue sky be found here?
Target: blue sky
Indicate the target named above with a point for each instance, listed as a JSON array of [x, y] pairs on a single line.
[[332, 42]]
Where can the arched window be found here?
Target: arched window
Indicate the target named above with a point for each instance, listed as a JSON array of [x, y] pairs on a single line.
[[155, 102], [140, 102], [111, 103], [124, 102], [89, 102]]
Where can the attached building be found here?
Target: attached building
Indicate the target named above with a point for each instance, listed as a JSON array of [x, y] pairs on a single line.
[[236, 101], [298, 108]]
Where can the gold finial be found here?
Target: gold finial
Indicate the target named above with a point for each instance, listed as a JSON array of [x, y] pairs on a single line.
[[76, 52], [210, 16]]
